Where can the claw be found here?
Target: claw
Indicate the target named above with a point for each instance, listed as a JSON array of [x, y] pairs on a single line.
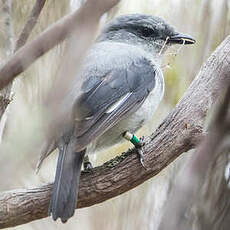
[[138, 143], [86, 164], [140, 152], [141, 157]]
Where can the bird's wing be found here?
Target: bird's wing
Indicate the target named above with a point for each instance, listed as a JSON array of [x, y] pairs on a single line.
[[108, 99]]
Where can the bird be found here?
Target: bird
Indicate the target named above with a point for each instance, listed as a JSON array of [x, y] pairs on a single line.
[[122, 87]]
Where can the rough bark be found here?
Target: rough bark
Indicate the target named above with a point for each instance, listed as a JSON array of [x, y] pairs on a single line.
[[204, 200], [179, 132]]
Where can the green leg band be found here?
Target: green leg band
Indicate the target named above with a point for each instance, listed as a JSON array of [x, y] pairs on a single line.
[[133, 139]]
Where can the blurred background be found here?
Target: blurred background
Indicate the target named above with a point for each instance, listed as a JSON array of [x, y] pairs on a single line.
[[206, 20]]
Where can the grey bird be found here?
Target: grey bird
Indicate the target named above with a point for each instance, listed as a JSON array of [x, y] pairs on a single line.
[[122, 87]]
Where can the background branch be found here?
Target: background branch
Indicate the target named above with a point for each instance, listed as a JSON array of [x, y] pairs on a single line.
[[31, 22], [24, 35], [178, 133], [6, 47], [81, 20]]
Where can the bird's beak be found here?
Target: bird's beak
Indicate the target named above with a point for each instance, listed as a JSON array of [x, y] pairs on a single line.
[[181, 39]]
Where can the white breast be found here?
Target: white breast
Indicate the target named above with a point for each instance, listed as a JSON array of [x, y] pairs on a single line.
[[150, 105]]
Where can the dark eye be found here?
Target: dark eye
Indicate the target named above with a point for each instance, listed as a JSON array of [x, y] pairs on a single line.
[[147, 32]]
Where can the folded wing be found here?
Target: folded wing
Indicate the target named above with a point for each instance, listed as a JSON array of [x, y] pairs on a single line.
[[110, 98]]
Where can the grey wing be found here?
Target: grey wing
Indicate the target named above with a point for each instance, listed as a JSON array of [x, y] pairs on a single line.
[[108, 99]]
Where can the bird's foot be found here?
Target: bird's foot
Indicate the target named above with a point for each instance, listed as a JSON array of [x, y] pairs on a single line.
[[138, 143], [141, 156], [87, 164]]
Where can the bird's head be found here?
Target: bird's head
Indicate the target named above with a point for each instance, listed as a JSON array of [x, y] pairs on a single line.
[[150, 32]]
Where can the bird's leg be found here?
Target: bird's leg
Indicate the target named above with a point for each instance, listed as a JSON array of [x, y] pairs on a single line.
[[138, 143], [86, 164]]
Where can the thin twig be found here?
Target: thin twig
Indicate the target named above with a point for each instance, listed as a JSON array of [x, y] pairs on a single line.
[[30, 24], [163, 46]]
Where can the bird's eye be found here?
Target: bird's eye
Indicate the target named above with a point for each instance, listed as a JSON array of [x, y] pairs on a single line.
[[147, 32]]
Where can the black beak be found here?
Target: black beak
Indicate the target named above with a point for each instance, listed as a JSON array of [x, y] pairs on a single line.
[[181, 39]]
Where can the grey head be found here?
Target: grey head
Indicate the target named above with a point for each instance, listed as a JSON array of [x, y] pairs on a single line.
[[150, 32]]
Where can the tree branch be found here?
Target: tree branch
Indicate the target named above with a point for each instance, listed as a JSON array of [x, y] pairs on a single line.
[[178, 133], [198, 170], [6, 48], [31, 22], [82, 19]]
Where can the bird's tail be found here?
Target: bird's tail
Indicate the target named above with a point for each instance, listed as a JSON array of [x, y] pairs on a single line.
[[65, 191]]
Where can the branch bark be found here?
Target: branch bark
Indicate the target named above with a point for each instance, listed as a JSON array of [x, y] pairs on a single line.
[[179, 132], [198, 171], [85, 17]]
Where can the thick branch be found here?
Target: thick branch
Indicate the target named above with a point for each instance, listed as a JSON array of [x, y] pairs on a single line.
[[178, 133], [86, 17], [197, 169]]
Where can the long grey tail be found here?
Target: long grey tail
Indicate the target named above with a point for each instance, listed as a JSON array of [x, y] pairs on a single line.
[[65, 191]]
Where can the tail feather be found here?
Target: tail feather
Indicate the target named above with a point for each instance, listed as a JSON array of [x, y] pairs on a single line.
[[66, 184]]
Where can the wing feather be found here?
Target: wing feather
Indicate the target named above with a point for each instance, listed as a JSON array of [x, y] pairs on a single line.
[[119, 93]]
